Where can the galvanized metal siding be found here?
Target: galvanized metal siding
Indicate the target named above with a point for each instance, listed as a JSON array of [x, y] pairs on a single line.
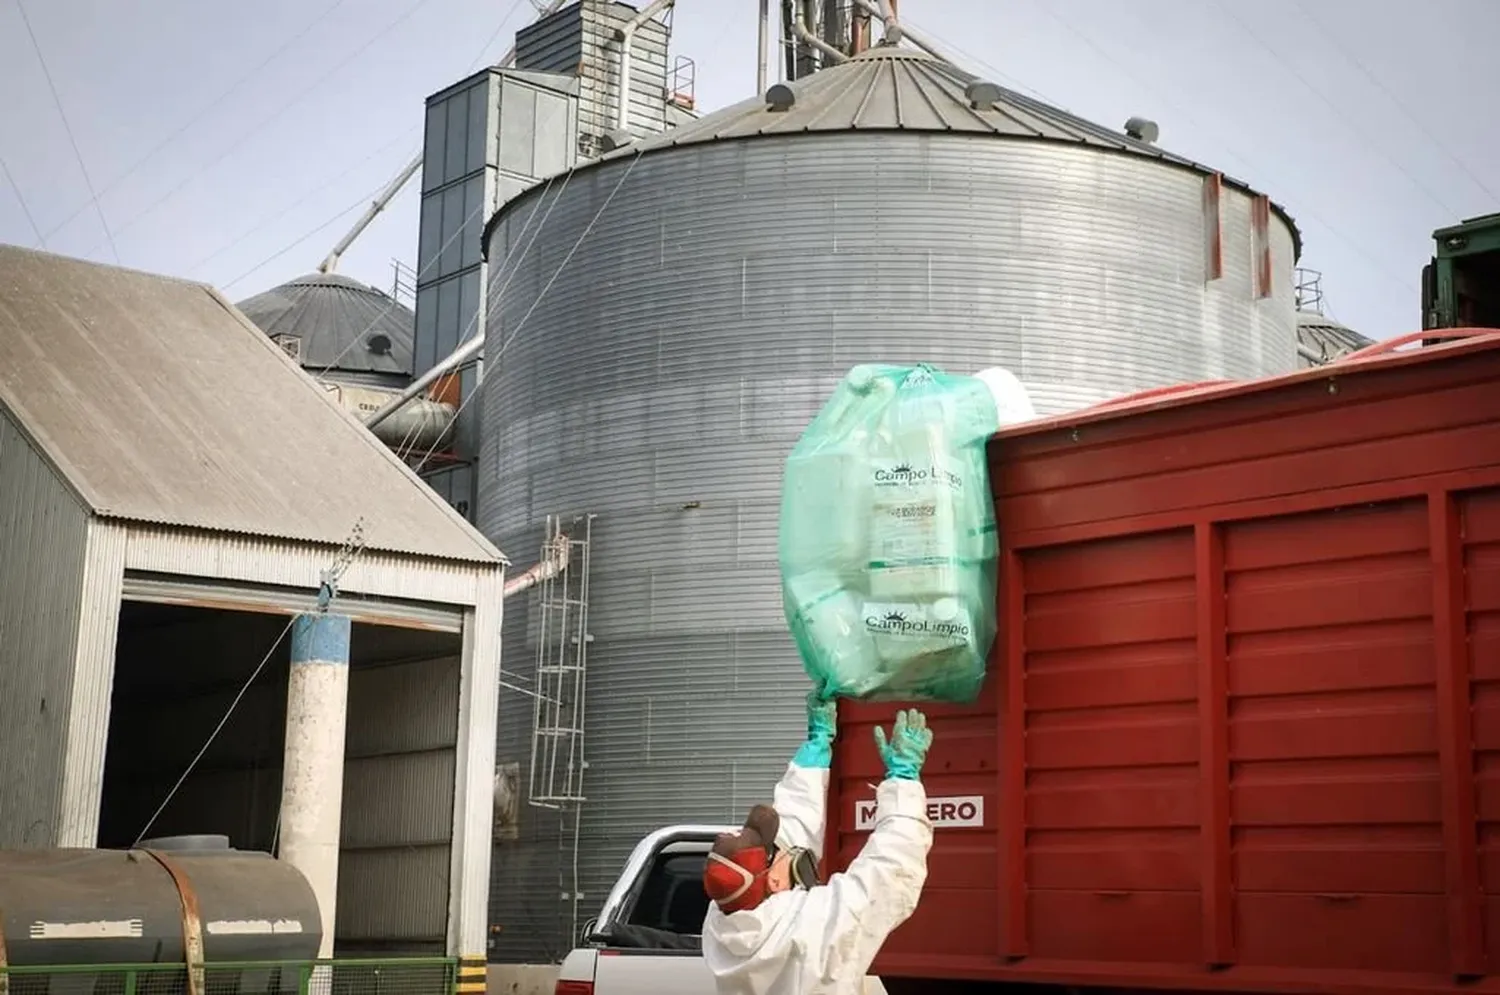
[[698, 328], [397, 826], [78, 344], [43, 554], [93, 681], [296, 565], [579, 40]]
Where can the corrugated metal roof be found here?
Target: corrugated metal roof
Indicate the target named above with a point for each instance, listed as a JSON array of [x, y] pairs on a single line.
[[338, 320], [159, 402], [1327, 337], [893, 88]]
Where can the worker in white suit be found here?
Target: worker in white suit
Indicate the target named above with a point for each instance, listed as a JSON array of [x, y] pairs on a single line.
[[772, 927]]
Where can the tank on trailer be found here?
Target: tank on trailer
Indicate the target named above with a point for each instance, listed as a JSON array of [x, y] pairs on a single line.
[[79, 906]]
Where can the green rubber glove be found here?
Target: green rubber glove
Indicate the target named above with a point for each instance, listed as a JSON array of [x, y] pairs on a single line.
[[822, 724], [906, 750]]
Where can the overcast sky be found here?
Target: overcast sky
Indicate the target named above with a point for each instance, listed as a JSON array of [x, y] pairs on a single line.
[[234, 142]]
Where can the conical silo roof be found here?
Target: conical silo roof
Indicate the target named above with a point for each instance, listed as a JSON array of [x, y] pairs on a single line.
[[894, 88], [344, 325], [1326, 337]]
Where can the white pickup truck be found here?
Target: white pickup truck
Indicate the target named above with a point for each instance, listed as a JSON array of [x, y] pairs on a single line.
[[647, 938]]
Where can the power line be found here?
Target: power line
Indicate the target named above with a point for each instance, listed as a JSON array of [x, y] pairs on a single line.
[[289, 247], [1228, 149], [20, 199], [391, 305], [290, 207], [1400, 105], [296, 203], [496, 34], [77, 154], [1338, 114], [202, 112], [541, 294], [399, 181], [438, 254], [505, 344], [987, 67], [311, 88]]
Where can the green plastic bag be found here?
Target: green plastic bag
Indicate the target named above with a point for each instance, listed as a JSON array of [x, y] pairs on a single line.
[[887, 537]]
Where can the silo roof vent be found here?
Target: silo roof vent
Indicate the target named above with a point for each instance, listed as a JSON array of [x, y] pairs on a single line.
[[1142, 130], [982, 94]]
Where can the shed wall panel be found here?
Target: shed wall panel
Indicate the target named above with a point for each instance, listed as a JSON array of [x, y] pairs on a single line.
[[397, 823], [59, 603]]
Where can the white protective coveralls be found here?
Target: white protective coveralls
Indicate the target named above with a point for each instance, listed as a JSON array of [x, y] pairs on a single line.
[[821, 941]]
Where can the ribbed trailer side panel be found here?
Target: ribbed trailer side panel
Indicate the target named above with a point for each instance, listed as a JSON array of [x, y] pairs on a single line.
[[1242, 722]]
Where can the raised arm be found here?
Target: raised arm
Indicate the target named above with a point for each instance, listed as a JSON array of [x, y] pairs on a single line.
[[880, 890], [802, 795]]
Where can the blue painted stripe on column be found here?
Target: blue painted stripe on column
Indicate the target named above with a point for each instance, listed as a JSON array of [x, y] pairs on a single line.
[[321, 638]]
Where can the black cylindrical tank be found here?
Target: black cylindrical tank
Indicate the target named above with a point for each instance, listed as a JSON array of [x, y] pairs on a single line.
[[124, 906]]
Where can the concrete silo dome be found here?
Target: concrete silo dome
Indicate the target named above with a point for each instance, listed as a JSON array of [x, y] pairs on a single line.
[[672, 315], [327, 321]]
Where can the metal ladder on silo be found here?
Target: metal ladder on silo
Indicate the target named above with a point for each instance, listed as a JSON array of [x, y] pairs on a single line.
[[558, 760], [557, 745]]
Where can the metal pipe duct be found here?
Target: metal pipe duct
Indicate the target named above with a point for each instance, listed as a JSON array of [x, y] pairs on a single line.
[[457, 357], [625, 36], [376, 206], [421, 425], [764, 46], [555, 562], [800, 29], [902, 31]]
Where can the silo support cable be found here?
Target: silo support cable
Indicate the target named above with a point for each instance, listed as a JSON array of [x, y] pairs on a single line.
[[1303, 212], [568, 258], [468, 347], [252, 74], [477, 342]]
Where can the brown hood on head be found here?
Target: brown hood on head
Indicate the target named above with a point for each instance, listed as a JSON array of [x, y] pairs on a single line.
[[760, 829]]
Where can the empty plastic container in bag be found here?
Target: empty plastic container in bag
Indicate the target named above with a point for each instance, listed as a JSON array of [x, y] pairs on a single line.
[[887, 541]]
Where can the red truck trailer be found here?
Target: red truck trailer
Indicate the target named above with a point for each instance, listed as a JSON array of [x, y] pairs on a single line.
[[1242, 726]]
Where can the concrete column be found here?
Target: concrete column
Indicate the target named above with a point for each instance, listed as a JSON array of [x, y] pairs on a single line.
[[312, 778]]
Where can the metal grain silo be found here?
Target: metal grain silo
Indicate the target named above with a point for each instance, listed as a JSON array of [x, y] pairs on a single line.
[[665, 321]]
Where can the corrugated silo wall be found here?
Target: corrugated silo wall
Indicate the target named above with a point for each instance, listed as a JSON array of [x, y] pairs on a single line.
[[661, 381]]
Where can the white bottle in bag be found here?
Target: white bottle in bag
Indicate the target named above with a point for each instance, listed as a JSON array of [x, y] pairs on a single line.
[[842, 471], [829, 611], [918, 639], [913, 518]]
